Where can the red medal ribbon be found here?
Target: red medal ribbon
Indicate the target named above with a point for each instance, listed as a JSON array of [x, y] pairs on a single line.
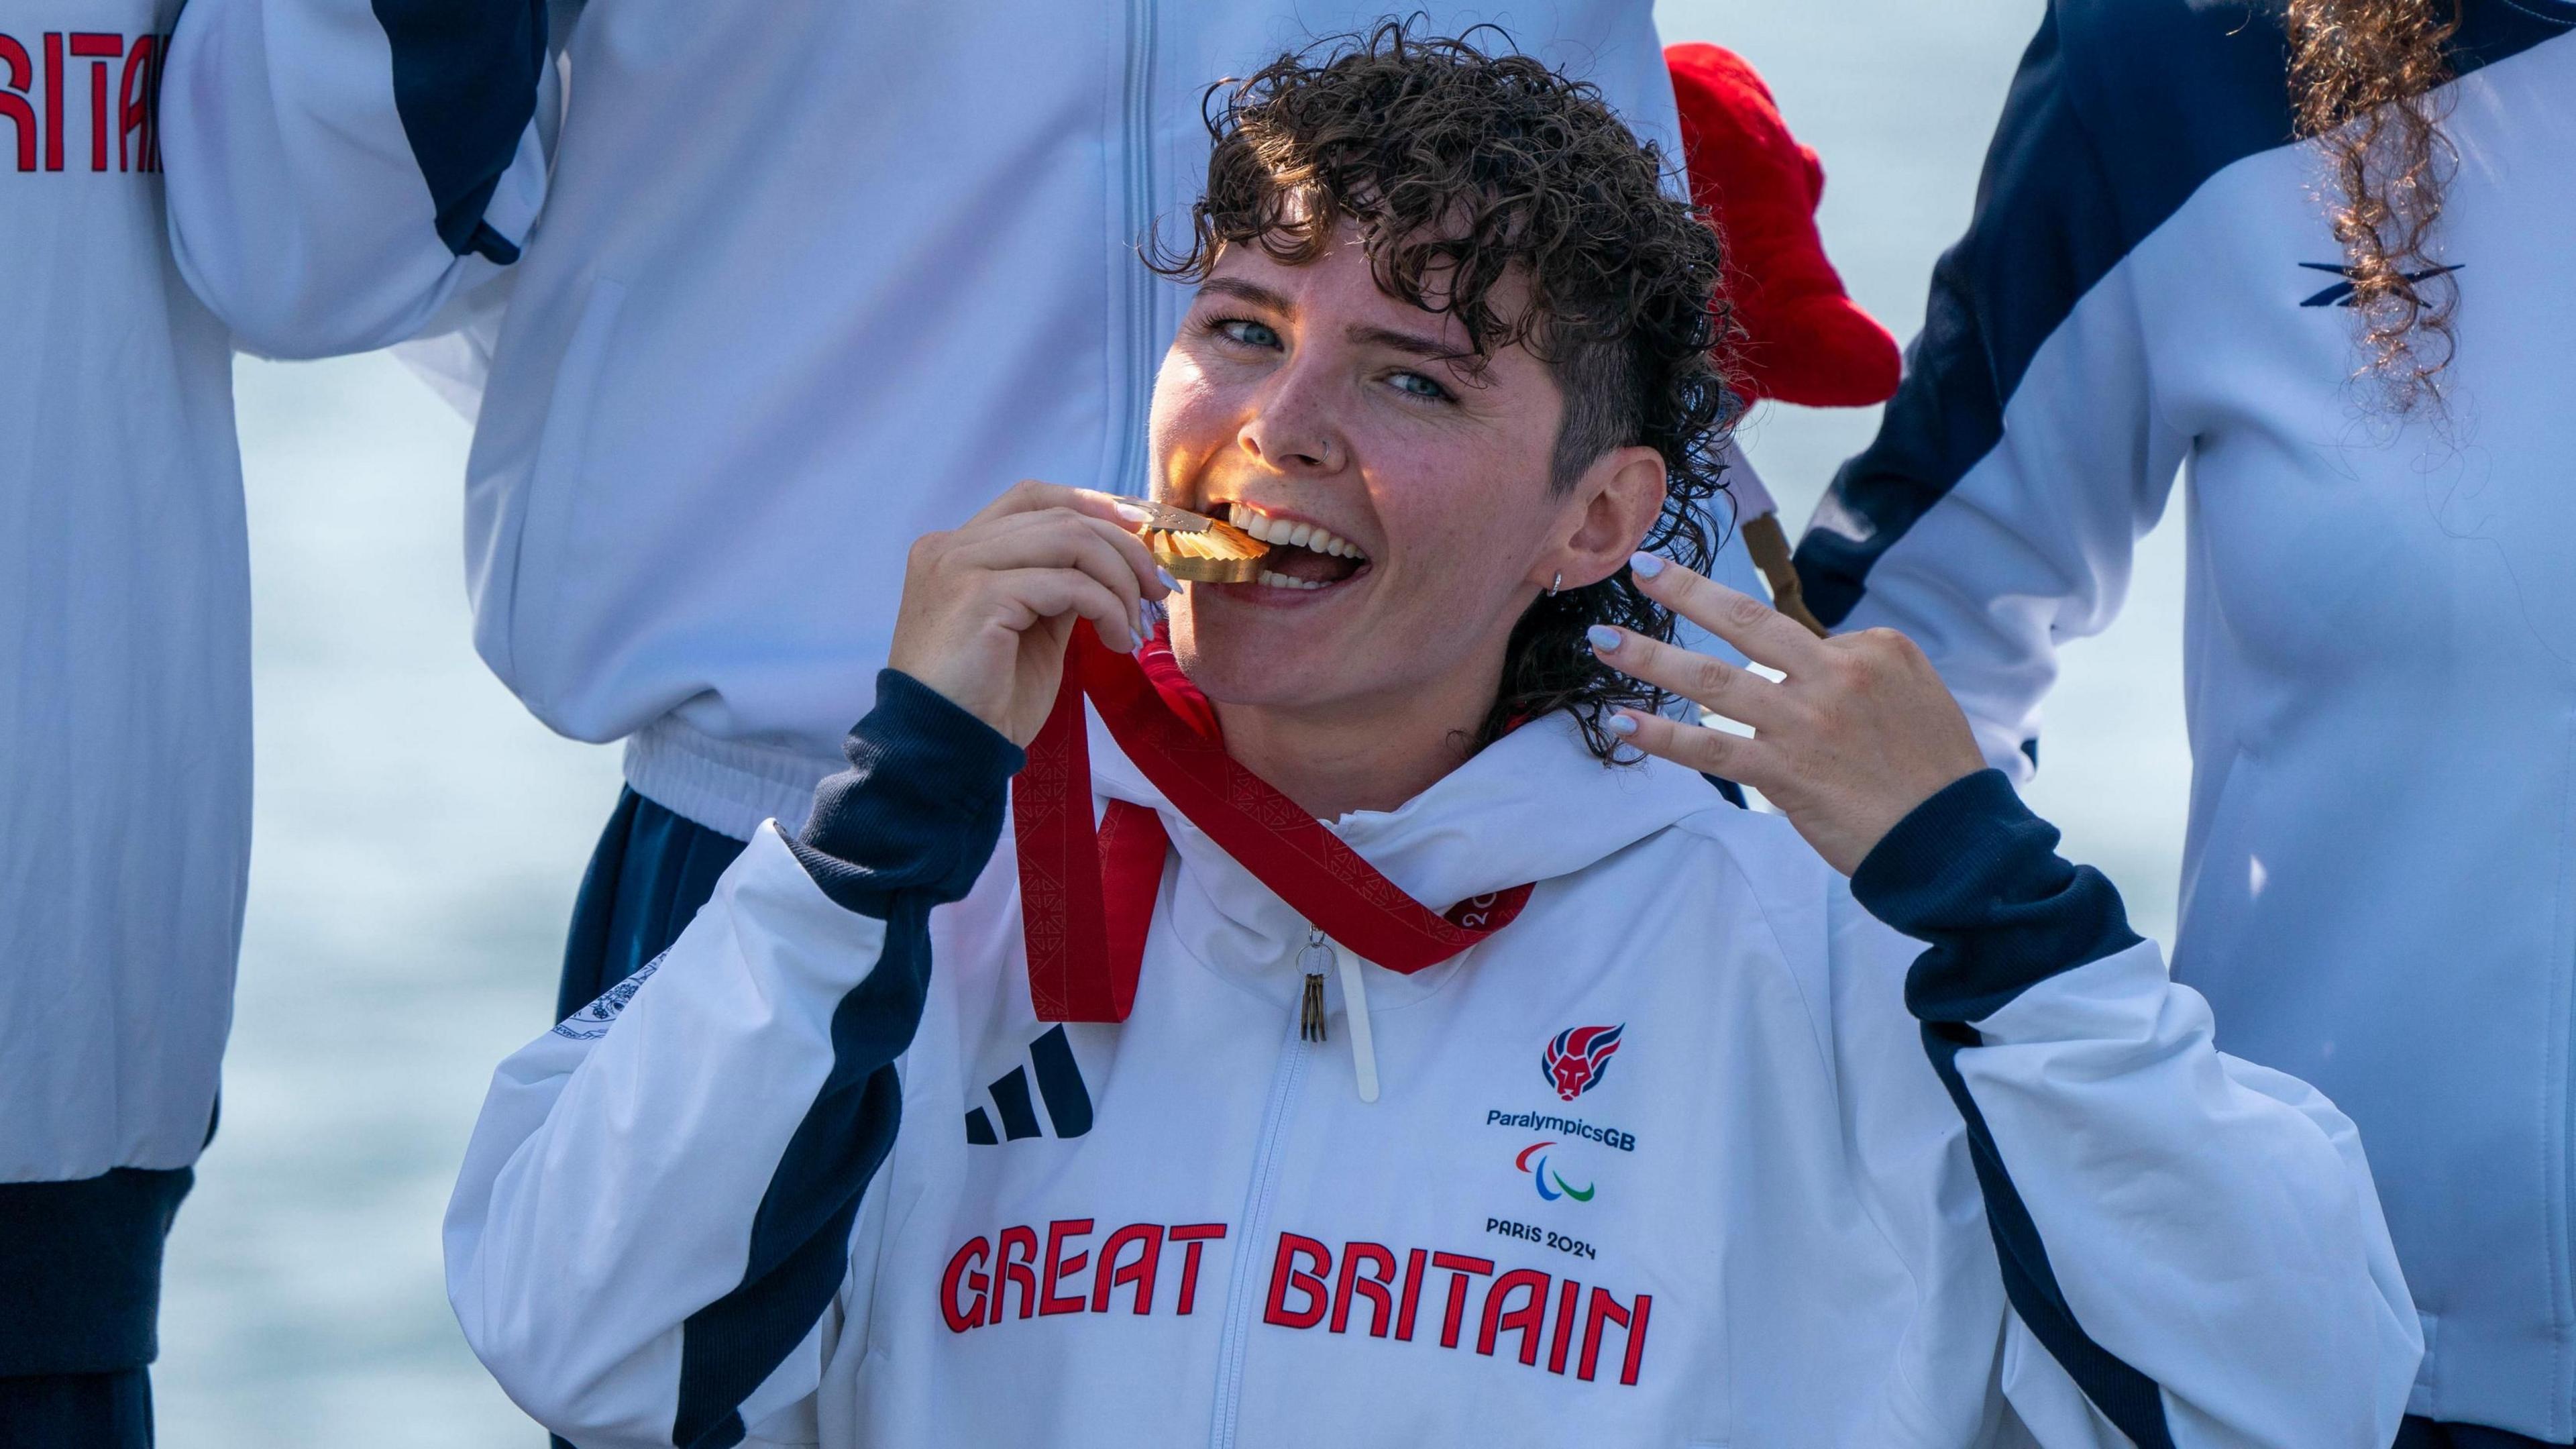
[[1087, 895]]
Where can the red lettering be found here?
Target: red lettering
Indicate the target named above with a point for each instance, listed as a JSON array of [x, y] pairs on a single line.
[[1058, 1266], [1459, 1266], [53, 100], [1529, 1320], [1149, 1240], [1412, 1295], [1016, 1269], [1192, 1235], [160, 63], [1284, 1276], [1568, 1299], [135, 105], [1606, 1309], [1373, 1288], [966, 1268], [20, 75], [1306, 1290], [98, 48]]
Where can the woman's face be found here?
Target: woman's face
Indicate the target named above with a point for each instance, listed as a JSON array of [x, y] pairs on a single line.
[[1304, 397]]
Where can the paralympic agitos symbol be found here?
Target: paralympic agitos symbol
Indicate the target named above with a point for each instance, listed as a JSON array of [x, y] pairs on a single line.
[[1542, 1176], [1580, 1055]]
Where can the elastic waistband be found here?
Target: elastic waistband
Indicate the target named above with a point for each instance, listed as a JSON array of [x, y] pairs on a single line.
[[725, 785]]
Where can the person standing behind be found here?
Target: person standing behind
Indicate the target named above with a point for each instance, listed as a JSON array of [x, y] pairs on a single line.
[[751, 293], [2319, 260], [124, 721]]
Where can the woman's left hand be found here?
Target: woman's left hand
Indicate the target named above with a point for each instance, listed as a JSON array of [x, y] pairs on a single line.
[[1858, 733]]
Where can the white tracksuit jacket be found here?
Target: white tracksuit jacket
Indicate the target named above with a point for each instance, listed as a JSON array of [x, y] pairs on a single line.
[[761, 1189], [2380, 618], [764, 293], [124, 621]]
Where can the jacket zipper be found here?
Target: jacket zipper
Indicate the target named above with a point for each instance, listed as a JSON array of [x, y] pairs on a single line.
[[1243, 1293], [1139, 206]]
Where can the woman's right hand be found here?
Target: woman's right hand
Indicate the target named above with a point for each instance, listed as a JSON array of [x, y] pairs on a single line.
[[988, 607]]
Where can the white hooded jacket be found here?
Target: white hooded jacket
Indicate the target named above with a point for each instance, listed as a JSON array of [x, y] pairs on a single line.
[[2379, 623], [763, 293], [820, 1176]]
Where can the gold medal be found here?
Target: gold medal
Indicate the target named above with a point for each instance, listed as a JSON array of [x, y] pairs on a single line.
[[1200, 549]]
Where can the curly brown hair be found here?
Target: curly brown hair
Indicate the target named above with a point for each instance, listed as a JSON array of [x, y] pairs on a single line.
[[1463, 168], [2362, 78]]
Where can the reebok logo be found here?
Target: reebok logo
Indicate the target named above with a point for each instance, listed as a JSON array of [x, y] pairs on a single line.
[[1060, 1086], [2341, 293]]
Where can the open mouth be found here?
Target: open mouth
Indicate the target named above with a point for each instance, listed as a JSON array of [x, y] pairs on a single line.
[[1302, 555]]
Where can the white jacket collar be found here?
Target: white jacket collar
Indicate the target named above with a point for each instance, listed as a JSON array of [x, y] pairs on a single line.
[[1533, 806]]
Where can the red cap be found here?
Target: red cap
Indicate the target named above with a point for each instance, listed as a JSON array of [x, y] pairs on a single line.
[[1805, 340]]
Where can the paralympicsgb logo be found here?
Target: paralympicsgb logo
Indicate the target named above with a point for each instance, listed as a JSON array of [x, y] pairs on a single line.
[[1578, 1058]]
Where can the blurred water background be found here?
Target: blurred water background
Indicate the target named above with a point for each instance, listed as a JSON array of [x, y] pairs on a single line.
[[419, 837]]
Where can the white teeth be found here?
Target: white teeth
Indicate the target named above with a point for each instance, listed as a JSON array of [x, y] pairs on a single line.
[[1286, 533], [1278, 580]]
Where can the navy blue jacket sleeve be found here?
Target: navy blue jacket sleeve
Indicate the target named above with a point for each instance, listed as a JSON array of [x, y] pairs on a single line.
[[907, 827], [1994, 515], [597, 1251], [2194, 1241], [919, 809], [1973, 874]]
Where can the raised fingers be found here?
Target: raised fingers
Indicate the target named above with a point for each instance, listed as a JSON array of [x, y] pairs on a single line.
[[1766, 635], [1713, 684], [1711, 752]]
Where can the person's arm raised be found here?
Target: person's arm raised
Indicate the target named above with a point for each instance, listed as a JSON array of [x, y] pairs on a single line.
[[2195, 1240], [987, 608], [1858, 732], [657, 1206]]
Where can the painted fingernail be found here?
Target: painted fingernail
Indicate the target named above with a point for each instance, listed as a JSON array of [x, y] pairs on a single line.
[[1621, 725], [1602, 637], [1168, 581], [1645, 565]]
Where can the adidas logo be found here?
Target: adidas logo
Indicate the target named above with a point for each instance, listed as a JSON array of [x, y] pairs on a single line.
[[1060, 1086]]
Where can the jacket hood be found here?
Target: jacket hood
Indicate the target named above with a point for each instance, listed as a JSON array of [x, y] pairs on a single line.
[[1533, 806]]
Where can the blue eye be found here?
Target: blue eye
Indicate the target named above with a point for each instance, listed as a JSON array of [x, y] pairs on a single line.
[[1414, 384], [1246, 331]]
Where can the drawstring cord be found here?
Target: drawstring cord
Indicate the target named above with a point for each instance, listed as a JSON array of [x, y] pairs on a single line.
[[1363, 1050], [1318, 957]]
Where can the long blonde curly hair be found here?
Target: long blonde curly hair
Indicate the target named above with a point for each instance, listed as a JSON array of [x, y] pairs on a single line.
[[2362, 78]]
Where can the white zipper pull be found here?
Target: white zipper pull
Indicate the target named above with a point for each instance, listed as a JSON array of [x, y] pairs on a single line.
[[1355, 1004]]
